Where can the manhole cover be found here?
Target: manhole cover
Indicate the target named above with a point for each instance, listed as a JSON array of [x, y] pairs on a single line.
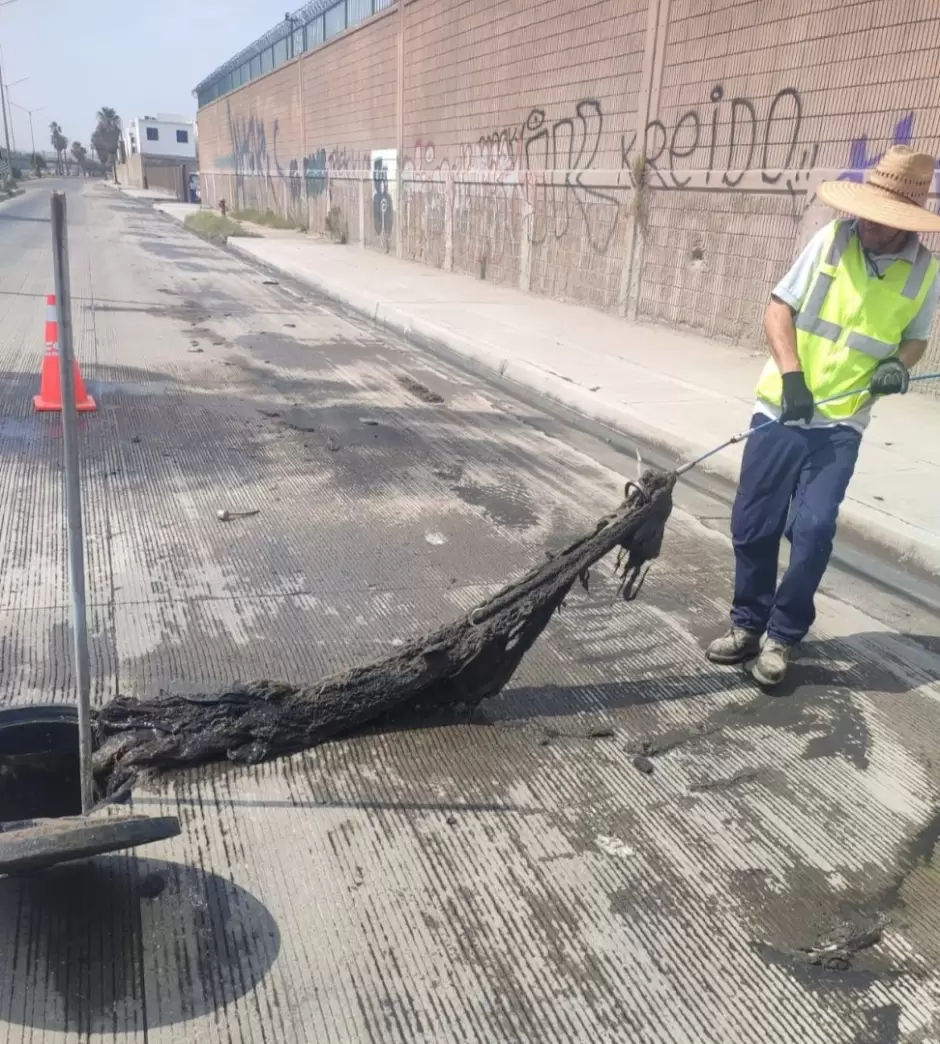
[[35, 844]]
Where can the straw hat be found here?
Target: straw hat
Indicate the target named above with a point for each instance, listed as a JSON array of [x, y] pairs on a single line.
[[894, 195]]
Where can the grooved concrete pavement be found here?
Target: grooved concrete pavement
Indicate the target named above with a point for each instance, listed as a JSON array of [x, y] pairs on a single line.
[[513, 879], [680, 391]]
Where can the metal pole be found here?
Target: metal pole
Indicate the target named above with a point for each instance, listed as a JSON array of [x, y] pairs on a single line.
[[32, 140], [73, 493], [6, 129], [400, 144]]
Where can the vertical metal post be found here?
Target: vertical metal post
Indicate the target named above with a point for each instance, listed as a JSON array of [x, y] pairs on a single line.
[[400, 145], [73, 493], [303, 135], [6, 129]]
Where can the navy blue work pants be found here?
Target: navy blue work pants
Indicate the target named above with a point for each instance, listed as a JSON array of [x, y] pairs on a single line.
[[793, 480]]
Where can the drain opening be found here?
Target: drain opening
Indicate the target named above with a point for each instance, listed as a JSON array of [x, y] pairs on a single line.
[[39, 767]]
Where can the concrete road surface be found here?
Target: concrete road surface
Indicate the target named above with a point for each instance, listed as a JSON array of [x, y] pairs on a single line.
[[514, 879]]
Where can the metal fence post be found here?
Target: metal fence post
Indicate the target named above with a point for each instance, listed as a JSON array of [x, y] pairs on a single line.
[[73, 493]]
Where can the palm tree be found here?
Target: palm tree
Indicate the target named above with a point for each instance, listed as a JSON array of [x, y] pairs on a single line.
[[60, 143], [55, 132], [106, 139], [80, 155]]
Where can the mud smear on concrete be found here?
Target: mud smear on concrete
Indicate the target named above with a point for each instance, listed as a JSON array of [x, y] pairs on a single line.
[[832, 720], [724, 783], [502, 504], [295, 353], [831, 941], [419, 390]]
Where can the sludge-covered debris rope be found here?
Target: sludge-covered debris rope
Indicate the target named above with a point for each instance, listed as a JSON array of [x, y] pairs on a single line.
[[458, 665]]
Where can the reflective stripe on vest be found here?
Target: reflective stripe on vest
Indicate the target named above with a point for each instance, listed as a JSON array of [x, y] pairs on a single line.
[[851, 321]]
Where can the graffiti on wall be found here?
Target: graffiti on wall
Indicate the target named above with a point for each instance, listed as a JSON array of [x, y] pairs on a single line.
[[553, 175], [696, 141], [539, 169], [315, 173], [570, 146], [252, 157], [862, 156], [383, 163]]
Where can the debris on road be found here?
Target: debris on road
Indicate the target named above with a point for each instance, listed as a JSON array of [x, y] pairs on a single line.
[[224, 515], [725, 783], [597, 732], [422, 391], [459, 665], [834, 952]]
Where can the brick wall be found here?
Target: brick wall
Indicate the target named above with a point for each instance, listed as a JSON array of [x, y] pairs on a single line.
[[657, 158]]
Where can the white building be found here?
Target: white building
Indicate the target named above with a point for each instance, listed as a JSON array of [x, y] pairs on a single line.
[[161, 135]]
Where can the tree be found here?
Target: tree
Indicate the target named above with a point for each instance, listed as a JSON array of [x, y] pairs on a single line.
[[80, 155], [60, 143], [106, 140]]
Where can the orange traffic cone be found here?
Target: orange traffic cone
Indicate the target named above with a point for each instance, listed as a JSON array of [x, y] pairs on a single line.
[[50, 387]]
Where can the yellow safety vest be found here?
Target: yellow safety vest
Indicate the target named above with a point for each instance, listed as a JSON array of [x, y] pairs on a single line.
[[850, 321]]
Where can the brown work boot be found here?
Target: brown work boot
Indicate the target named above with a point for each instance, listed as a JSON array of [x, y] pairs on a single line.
[[736, 646], [770, 668]]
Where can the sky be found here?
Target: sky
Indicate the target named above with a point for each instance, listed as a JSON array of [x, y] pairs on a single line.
[[80, 55]]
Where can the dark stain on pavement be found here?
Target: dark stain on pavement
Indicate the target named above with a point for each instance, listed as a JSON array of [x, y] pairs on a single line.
[[505, 507], [293, 352], [419, 390]]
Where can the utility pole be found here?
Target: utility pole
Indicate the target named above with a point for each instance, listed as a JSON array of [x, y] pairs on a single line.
[[3, 105], [6, 128], [10, 105]]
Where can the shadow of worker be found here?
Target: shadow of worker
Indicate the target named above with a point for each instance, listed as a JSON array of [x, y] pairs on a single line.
[[873, 661], [119, 945]]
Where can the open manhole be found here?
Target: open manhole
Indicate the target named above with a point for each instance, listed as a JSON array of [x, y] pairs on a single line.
[[40, 796]]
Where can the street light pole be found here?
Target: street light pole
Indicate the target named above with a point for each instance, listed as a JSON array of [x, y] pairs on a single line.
[[11, 103], [29, 113], [3, 105], [6, 127]]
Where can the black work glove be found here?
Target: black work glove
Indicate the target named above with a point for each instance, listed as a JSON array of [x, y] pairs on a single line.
[[891, 378], [798, 404]]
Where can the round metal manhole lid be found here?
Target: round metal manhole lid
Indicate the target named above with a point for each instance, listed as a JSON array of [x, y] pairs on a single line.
[[36, 844]]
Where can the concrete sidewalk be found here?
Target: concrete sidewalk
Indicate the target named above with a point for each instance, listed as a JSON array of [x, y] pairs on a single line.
[[145, 195], [681, 392]]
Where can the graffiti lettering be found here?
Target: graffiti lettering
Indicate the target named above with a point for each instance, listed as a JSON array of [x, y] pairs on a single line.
[[570, 145], [695, 143]]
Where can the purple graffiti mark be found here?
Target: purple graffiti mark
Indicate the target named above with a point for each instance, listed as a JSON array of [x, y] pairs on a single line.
[[859, 158]]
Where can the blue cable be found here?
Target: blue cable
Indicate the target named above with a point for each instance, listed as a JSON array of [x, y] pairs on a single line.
[[742, 435]]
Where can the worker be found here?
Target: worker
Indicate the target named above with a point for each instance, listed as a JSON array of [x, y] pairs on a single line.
[[853, 312]]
